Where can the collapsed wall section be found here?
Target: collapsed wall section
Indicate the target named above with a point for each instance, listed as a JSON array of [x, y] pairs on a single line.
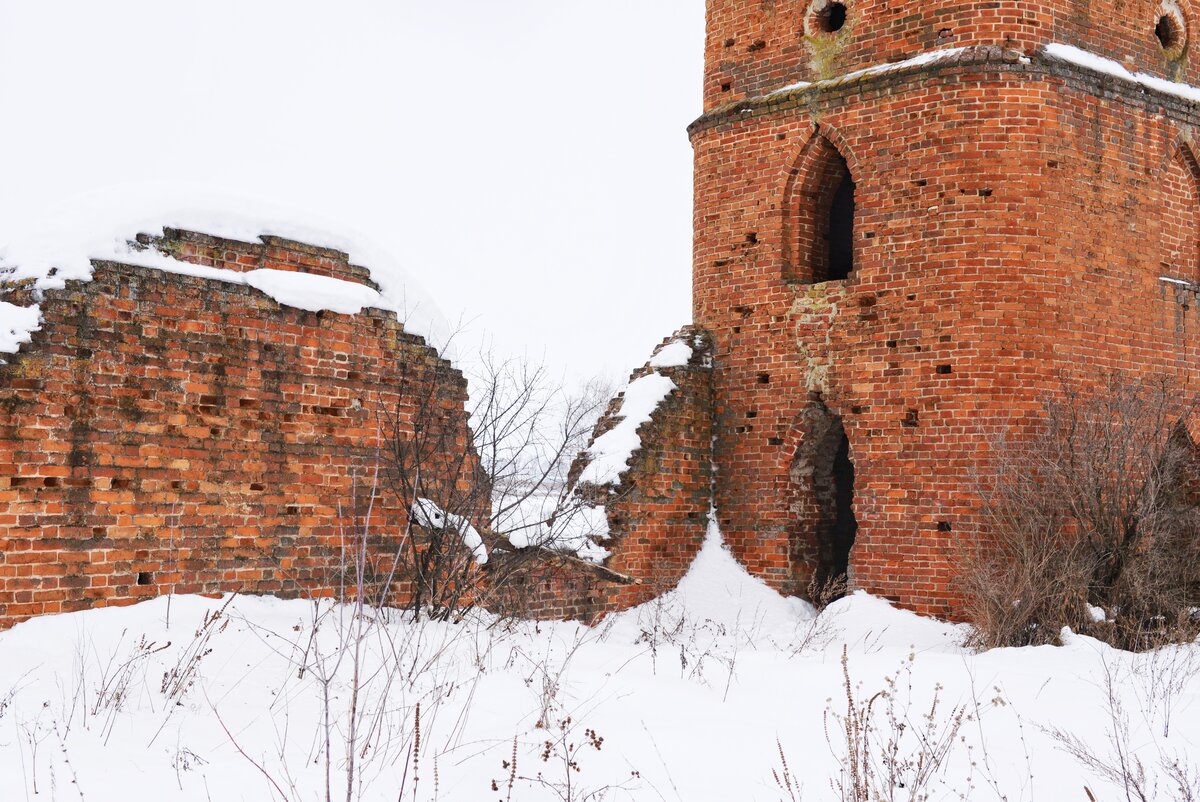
[[173, 432], [646, 476]]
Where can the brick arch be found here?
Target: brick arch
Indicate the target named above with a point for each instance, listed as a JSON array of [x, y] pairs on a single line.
[[812, 181], [1179, 229]]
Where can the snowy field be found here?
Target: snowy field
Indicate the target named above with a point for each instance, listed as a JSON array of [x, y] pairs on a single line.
[[721, 690]]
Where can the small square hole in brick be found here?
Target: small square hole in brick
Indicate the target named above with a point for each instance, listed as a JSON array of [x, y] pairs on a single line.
[[774, 441], [764, 378], [726, 87], [945, 369], [911, 418], [145, 578], [943, 526]]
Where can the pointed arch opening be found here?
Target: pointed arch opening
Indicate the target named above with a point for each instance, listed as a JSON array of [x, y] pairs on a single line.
[[820, 215], [1179, 234]]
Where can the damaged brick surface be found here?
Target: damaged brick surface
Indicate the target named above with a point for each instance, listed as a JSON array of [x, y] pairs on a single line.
[[1013, 215], [658, 509], [164, 432]]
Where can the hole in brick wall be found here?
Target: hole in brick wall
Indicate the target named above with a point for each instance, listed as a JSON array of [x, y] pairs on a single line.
[[145, 578], [752, 414], [921, 182], [50, 481], [257, 487], [764, 378], [726, 87], [752, 237], [911, 296], [781, 137], [823, 474], [1052, 163], [177, 484], [911, 418], [1169, 30], [892, 343], [943, 526], [291, 509], [730, 42], [828, 18], [985, 193], [759, 44], [737, 329], [944, 369], [121, 484], [857, 410], [743, 429], [774, 441]]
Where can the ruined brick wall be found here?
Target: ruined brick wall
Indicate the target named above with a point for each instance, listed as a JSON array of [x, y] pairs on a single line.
[[754, 47], [165, 432], [657, 511], [1014, 215]]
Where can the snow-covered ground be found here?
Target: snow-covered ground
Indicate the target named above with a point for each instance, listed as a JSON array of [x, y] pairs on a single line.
[[701, 695]]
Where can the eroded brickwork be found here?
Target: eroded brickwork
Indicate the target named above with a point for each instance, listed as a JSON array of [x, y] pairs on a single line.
[[754, 47], [658, 509], [1013, 217], [164, 432]]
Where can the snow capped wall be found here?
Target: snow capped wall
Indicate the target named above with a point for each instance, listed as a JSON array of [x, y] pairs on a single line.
[[201, 414], [646, 477]]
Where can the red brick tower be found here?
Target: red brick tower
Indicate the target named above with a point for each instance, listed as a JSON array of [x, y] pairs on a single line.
[[910, 218]]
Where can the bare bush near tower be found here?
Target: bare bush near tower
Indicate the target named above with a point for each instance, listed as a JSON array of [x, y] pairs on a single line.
[[1092, 523]]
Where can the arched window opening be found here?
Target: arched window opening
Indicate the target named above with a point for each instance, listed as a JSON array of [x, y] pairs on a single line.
[[819, 221], [1178, 233], [839, 235]]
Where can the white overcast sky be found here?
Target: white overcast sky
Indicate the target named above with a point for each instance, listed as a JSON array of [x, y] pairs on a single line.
[[525, 161]]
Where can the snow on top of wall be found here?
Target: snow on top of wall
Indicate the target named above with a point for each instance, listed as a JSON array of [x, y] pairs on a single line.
[[928, 57], [428, 514], [675, 354], [17, 324], [611, 452], [101, 228], [1108, 66]]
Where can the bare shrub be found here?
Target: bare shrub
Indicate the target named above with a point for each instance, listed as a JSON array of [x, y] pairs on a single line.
[[1144, 768], [503, 492], [1090, 524], [887, 751]]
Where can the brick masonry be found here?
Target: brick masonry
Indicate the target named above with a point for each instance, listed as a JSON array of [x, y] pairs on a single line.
[[1013, 216], [164, 432]]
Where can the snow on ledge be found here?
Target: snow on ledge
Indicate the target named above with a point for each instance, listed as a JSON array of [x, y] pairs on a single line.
[[611, 452], [928, 57], [1107, 66], [428, 514]]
